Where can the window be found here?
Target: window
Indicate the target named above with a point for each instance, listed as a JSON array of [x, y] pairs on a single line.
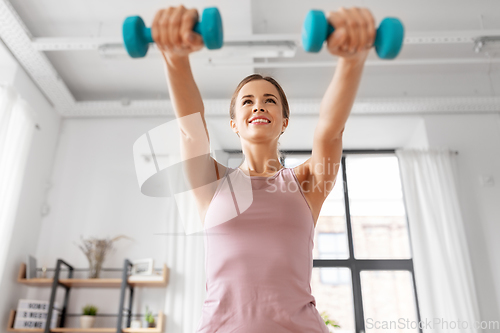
[[363, 269]]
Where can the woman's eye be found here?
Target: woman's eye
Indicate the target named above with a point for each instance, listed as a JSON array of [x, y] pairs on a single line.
[[269, 99]]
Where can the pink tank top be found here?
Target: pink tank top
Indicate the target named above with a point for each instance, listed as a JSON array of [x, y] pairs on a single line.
[[258, 262]]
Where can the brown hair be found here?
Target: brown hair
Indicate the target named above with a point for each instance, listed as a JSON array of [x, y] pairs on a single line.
[[284, 102]]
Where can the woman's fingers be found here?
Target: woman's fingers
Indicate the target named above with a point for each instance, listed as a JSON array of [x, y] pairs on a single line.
[[188, 22], [339, 36], [354, 31], [370, 26], [155, 27], [360, 31], [164, 28], [171, 30], [174, 24], [352, 25]]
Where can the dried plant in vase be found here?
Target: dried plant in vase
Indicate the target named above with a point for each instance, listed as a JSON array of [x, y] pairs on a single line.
[[95, 250]]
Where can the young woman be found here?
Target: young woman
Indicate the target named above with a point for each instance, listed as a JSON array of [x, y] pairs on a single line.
[[259, 257]]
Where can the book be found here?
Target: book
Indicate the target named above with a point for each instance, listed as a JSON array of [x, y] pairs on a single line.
[[30, 267]]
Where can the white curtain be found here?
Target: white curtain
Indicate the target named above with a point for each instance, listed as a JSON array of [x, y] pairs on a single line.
[[443, 273], [186, 254], [16, 129], [186, 259]]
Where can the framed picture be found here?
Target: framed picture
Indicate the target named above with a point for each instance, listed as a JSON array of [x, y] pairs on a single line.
[[142, 266], [30, 267]]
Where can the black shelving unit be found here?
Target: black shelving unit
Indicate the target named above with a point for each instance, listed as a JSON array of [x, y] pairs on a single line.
[[123, 288]]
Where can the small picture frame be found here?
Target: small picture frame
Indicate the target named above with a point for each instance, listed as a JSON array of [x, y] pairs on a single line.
[[142, 266], [30, 267]]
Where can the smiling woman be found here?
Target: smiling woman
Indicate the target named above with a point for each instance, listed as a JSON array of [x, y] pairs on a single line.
[[258, 218]]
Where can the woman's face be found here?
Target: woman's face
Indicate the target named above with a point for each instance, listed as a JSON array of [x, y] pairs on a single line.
[[258, 98]]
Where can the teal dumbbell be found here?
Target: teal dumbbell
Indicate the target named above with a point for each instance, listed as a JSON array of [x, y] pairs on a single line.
[[388, 39], [136, 37]]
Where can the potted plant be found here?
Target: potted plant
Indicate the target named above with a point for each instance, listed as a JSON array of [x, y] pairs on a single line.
[[88, 317], [328, 321], [149, 319]]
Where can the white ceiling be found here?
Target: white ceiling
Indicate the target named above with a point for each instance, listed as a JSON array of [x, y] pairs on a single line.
[[445, 67]]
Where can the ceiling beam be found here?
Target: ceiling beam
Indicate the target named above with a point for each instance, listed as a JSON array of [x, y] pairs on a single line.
[[300, 107], [18, 39], [415, 38]]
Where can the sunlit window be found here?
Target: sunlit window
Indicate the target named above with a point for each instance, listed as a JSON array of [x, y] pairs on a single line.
[[376, 230]]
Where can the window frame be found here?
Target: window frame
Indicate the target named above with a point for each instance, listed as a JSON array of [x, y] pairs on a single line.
[[358, 265]]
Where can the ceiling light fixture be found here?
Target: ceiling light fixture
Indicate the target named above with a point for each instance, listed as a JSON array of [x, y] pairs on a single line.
[[487, 44]]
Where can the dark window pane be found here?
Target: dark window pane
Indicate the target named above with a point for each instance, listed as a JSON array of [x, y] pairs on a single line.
[[378, 216]]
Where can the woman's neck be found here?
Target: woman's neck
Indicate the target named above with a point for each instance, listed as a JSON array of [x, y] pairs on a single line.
[[261, 159], [263, 170], [261, 166]]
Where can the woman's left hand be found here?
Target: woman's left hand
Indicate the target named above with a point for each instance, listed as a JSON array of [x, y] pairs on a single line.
[[354, 33]]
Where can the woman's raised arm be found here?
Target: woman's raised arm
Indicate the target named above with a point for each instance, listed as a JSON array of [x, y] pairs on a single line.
[[171, 30], [351, 40]]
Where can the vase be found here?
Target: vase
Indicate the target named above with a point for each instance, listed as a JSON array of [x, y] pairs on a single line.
[[87, 321], [94, 268]]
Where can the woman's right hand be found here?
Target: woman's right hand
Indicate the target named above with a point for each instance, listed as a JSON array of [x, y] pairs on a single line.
[[172, 29]]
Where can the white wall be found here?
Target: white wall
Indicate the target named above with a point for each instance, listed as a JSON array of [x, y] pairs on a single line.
[[96, 194], [27, 226]]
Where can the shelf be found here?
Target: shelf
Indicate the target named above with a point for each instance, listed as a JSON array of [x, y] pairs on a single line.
[[157, 329], [91, 283]]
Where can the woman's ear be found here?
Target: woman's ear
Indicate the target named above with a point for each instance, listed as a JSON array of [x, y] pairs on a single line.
[[285, 124], [232, 123]]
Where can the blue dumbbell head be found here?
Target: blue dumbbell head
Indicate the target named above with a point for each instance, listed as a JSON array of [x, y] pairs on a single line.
[[135, 36], [314, 31], [389, 38], [210, 28]]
